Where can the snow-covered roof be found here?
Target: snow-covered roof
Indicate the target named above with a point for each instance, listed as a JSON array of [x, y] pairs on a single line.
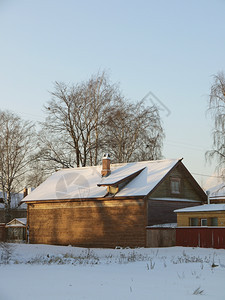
[[202, 208], [153, 173], [17, 222], [217, 191], [79, 183], [121, 174], [166, 225]]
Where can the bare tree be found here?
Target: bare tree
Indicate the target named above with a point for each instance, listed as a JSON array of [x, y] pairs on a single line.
[[37, 172], [16, 145], [134, 132], [71, 135], [86, 119], [217, 111]]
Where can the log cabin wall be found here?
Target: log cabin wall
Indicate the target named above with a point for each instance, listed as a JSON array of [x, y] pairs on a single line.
[[92, 223], [161, 212]]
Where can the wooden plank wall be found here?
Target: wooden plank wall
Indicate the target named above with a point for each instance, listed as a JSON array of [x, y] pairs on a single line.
[[187, 190], [107, 223], [161, 212], [161, 237]]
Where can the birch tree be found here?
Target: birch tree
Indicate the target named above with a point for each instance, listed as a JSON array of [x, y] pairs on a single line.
[[217, 111], [16, 145]]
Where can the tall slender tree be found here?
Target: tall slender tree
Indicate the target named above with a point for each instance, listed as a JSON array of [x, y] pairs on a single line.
[[216, 108], [16, 146]]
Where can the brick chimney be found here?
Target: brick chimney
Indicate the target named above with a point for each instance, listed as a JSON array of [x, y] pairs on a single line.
[[25, 192], [105, 165]]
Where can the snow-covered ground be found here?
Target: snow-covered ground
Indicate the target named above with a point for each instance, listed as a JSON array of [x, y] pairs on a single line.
[[54, 272]]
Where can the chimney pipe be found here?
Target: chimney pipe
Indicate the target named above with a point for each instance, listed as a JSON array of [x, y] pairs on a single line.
[[25, 192], [208, 200], [106, 165]]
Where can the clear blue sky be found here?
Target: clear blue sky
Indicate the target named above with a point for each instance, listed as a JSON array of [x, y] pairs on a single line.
[[171, 48]]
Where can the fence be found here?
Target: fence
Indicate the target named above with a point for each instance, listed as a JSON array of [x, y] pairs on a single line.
[[160, 237], [207, 237]]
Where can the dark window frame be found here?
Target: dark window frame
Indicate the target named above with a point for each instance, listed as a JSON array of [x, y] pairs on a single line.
[[175, 185], [214, 221], [193, 220]]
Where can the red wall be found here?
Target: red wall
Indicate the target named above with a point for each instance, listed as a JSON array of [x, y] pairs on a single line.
[[206, 237]]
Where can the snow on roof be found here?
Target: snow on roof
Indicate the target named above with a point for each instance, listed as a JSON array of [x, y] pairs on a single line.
[[152, 174], [121, 173], [202, 208], [22, 220], [217, 191], [17, 222], [79, 183], [166, 225], [74, 183]]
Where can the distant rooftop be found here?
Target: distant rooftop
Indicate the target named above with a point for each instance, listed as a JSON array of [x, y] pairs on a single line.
[[202, 208]]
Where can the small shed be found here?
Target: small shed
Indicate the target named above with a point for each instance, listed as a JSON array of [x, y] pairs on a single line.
[[201, 226], [16, 230]]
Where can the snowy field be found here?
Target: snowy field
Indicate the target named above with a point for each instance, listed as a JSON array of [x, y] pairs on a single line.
[[53, 272]]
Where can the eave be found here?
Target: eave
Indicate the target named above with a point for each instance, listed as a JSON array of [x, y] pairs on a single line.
[[86, 199]]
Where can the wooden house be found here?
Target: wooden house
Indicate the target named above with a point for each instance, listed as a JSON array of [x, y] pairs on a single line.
[[201, 226], [109, 205], [203, 215]]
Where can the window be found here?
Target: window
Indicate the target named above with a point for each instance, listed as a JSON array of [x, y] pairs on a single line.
[[203, 222], [175, 185], [193, 221], [214, 221]]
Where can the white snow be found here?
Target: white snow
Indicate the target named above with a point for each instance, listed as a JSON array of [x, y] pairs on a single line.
[[166, 225], [54, 272], [121, 173], [217, 191], [205, 207], [17, 222], [154, 172], [81, 183]]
